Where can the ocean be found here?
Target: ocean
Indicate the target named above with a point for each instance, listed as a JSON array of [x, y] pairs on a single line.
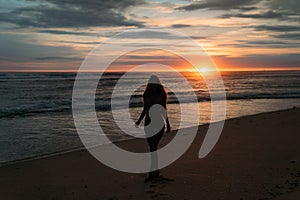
[[36, 108]]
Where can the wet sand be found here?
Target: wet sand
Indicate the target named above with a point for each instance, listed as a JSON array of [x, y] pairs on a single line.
[[257, 157]]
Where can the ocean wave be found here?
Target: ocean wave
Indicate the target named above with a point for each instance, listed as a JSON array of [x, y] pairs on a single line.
[[105, 105], [31, 109], [52, 92]]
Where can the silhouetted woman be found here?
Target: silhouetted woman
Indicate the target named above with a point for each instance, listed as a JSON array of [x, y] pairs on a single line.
[[155, 97]]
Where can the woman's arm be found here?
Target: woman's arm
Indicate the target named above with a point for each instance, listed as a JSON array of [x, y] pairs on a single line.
[[141, 117], [168, 125]]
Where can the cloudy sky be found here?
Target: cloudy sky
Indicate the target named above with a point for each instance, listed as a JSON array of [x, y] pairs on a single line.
[[56, 35]]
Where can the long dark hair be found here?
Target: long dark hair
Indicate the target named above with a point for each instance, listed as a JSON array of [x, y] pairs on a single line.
[[155, 93]]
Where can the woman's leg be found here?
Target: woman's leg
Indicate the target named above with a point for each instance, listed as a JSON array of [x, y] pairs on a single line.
[[153, 144]]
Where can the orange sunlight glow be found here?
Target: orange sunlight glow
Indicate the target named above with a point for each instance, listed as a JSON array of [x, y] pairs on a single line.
[[203, 70]]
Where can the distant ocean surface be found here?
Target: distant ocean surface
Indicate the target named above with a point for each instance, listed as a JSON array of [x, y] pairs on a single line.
[[36, 108]]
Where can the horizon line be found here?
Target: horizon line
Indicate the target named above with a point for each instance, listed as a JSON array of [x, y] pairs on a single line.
[[120, 71]]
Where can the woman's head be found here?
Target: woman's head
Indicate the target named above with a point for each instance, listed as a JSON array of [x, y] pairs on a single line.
[[154, 84], [155, 90], [154, 80]]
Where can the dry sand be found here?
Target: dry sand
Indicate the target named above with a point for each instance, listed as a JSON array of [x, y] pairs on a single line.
[[257, 157]]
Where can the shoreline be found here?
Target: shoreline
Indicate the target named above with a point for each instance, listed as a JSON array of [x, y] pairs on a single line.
[[83, 148], [76, 71], [256, 157]]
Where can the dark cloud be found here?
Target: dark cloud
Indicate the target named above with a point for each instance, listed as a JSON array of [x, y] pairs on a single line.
[[140, 60], [261, 44], [265, 15], [59, 32], [198, 37], [269, 42], [180, 25], [287, 32], [245, 9], [221, 5], [288, 36], [57, 58], [292, 6], [275, 14], [283, 60], [152, 34], [261, 61], [18, 50], [77, 42], [157, 35], [276, 9], [72, 13], [278, 28], [146, 57]]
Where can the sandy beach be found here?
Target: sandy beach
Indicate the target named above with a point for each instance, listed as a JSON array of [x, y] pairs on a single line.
[[257, 157]]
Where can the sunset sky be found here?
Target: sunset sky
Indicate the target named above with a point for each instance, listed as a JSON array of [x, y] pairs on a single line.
[[56, 35]]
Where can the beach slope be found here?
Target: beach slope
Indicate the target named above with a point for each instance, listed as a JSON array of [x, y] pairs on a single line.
[[257, 157]]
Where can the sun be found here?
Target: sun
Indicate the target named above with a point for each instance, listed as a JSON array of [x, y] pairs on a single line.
[[203, 70]]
